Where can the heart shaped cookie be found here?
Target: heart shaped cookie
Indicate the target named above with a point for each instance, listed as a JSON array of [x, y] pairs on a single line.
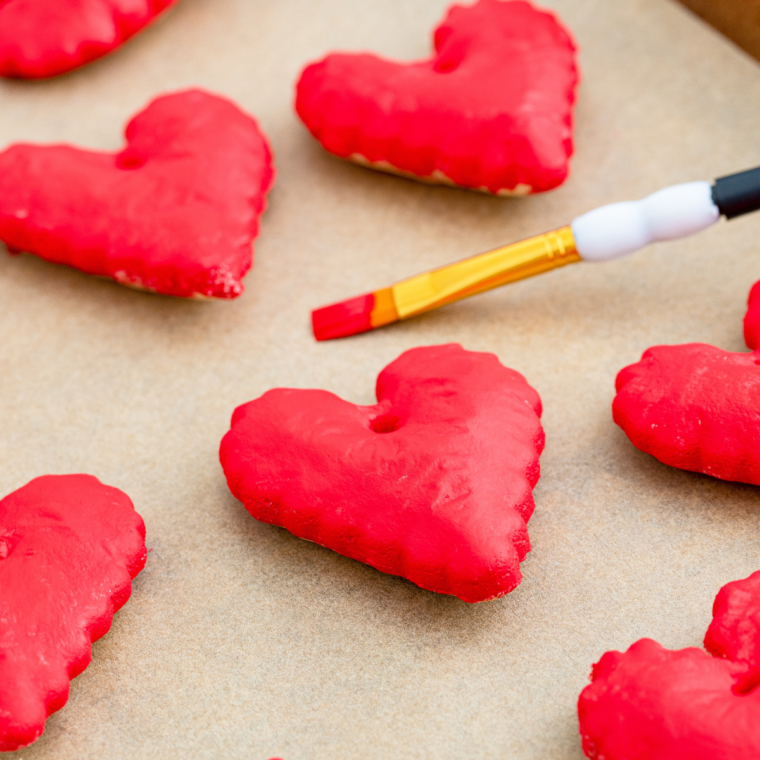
[[44, 38], [433, 483], [69, 549], [491, 110], [174, 212], [656, 704], [695, 406]]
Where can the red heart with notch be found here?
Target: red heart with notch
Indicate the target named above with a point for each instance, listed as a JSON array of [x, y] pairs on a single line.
[[652, 703], [175, 212], [69, 549], [695, 406], [491, 110], [44, 38], [433, 483]]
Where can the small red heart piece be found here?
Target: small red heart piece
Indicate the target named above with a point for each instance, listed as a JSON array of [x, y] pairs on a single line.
[[656, 704], [695, 406], [491, 110], [752, 319], [69, 549], [174, 212], [44, 38], [434, 483]]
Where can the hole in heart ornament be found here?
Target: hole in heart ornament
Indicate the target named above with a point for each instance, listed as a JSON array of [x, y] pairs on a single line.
[[491, 110], [652, 703], [175, 212], [385, 423], [434, 483], [44, 38], [69, 549], [695, 406]]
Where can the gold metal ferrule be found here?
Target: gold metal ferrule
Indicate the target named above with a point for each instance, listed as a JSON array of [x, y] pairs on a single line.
[[485, 271]]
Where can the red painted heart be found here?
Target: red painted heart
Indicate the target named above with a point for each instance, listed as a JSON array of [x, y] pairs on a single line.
[[69, 548], [752, 319], [656, 704], [491, 110], [695, 406], [44, 38], [175, 212], [433, 483]]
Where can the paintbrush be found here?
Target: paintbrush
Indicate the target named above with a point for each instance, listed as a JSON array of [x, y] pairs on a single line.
[[606, 233]]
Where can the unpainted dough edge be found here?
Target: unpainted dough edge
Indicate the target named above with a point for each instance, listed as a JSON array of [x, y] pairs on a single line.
[[436, 178]]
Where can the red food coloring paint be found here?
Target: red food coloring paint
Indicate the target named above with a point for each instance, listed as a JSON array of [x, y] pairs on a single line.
[[490, 110], [340, 320], [752, 318], [695, 406], [175, 212], [433, 483], [69, 549], [652, 702], [44, 38]]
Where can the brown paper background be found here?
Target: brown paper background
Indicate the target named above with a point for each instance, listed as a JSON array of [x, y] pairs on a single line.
[[737, 19], [241, 641]]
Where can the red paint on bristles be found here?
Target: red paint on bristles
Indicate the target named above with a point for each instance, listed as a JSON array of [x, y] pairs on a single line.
[[344, 319]]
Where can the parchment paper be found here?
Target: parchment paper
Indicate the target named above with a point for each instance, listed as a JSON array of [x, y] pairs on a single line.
[[241, 641]]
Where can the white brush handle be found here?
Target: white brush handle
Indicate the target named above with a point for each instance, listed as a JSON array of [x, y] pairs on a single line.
[[616, 230]]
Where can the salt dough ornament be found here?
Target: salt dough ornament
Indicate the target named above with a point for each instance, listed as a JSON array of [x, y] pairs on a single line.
[[752, 319], [652, 703], [69, 549], [174, 212], [44, 38], [695, 406], [433, 483], [491, 110]]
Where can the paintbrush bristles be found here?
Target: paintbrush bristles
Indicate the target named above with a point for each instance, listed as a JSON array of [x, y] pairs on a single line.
[[355, 316], [343, 319]]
